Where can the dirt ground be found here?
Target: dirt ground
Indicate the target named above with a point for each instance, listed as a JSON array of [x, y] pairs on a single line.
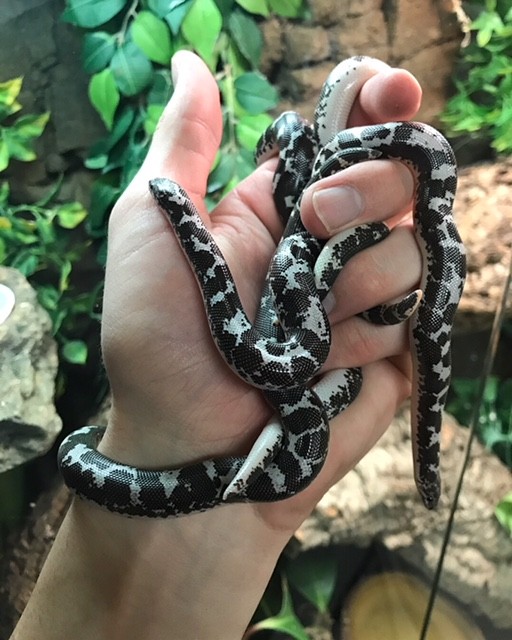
[[483, 209]]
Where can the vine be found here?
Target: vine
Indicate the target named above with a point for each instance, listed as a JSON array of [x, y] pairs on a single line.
[[127, 48], [37, 238], [482, 104]]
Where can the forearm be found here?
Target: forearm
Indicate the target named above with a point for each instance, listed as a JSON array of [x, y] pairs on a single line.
[[111, 577]]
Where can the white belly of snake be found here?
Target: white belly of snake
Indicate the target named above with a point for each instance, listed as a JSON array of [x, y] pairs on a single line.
[[282, 351]]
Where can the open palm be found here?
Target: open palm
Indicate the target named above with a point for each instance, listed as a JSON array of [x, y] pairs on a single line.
[[174, 399]]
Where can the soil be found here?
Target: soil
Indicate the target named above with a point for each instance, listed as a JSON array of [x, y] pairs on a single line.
[[483, 209]]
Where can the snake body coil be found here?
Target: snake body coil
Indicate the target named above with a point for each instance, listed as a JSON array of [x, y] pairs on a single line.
[[283, 350]]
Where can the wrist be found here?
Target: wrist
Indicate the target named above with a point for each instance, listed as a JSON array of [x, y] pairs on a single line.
[[139, 576], [150, 440], [185, 572]]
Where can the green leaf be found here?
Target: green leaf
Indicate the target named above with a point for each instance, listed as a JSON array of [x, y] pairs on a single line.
[[161, 87], [19, 139], [131, 69], [223, 172], [254, 93], [250, 128], [314, 576], [505, 400], [285, 621], [9, 91], [504, 513], [133, 161], [286, 8], [247, 36], [201, 28], [97, 51], [237, 64], [231, 168], [159, 7], [176, 14], [4, 193], [92, 13], [258, 7], [152, 36], [3, 252], [4, 152], [121, 127], [101, 256], [70, 215], [26, 262], [75, 352], [65, 271], [103, 197], [503, 128], [225, 7], [153, 114], [104, 95], [114, 151], [245, 165], [98, 156], [46, 231], [30, 126]]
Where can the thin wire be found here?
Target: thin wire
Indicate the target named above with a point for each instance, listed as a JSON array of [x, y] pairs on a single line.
[[475, 416]]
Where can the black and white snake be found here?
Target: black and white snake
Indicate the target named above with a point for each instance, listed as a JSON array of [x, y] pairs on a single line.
[[283, 350]]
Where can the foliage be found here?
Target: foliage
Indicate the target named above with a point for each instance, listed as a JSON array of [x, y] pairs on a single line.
[[495, 420], [127, 48], [36, 238], [494, 423], [16, 140], [483, 100], [504, 513], [309, 577]]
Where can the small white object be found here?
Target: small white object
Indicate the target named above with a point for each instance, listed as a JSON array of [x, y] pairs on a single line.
[[263, 451], [7, 302]]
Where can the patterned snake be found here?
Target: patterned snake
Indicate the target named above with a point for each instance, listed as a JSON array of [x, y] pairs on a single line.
[[282, 351]]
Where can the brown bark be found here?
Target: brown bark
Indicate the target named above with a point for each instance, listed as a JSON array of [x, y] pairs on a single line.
[[21, 566]]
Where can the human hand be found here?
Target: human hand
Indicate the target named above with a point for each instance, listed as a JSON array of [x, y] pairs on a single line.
[[174, 399]]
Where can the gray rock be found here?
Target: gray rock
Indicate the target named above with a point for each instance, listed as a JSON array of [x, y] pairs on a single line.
[[29, 422]]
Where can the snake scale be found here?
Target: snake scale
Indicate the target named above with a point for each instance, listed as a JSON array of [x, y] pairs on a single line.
[[283, 350]]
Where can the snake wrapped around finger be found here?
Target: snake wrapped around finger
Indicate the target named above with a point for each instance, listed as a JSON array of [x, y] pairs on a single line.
[[283, 349]]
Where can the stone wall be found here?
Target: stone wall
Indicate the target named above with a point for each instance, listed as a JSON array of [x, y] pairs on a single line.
[[36, 44], [423, 36]]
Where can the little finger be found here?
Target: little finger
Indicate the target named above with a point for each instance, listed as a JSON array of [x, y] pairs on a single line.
[[382, 273]]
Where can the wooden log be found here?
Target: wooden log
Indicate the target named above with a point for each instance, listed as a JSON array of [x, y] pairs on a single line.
[[377, 503]]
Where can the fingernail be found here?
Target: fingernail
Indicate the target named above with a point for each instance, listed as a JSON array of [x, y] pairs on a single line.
[[174, 70], [329, 302], [337, 206]]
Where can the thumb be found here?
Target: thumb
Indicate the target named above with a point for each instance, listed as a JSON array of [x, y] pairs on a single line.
[[189, 132]]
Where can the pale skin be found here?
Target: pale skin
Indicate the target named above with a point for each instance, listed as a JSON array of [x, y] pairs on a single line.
[[175, 401]]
